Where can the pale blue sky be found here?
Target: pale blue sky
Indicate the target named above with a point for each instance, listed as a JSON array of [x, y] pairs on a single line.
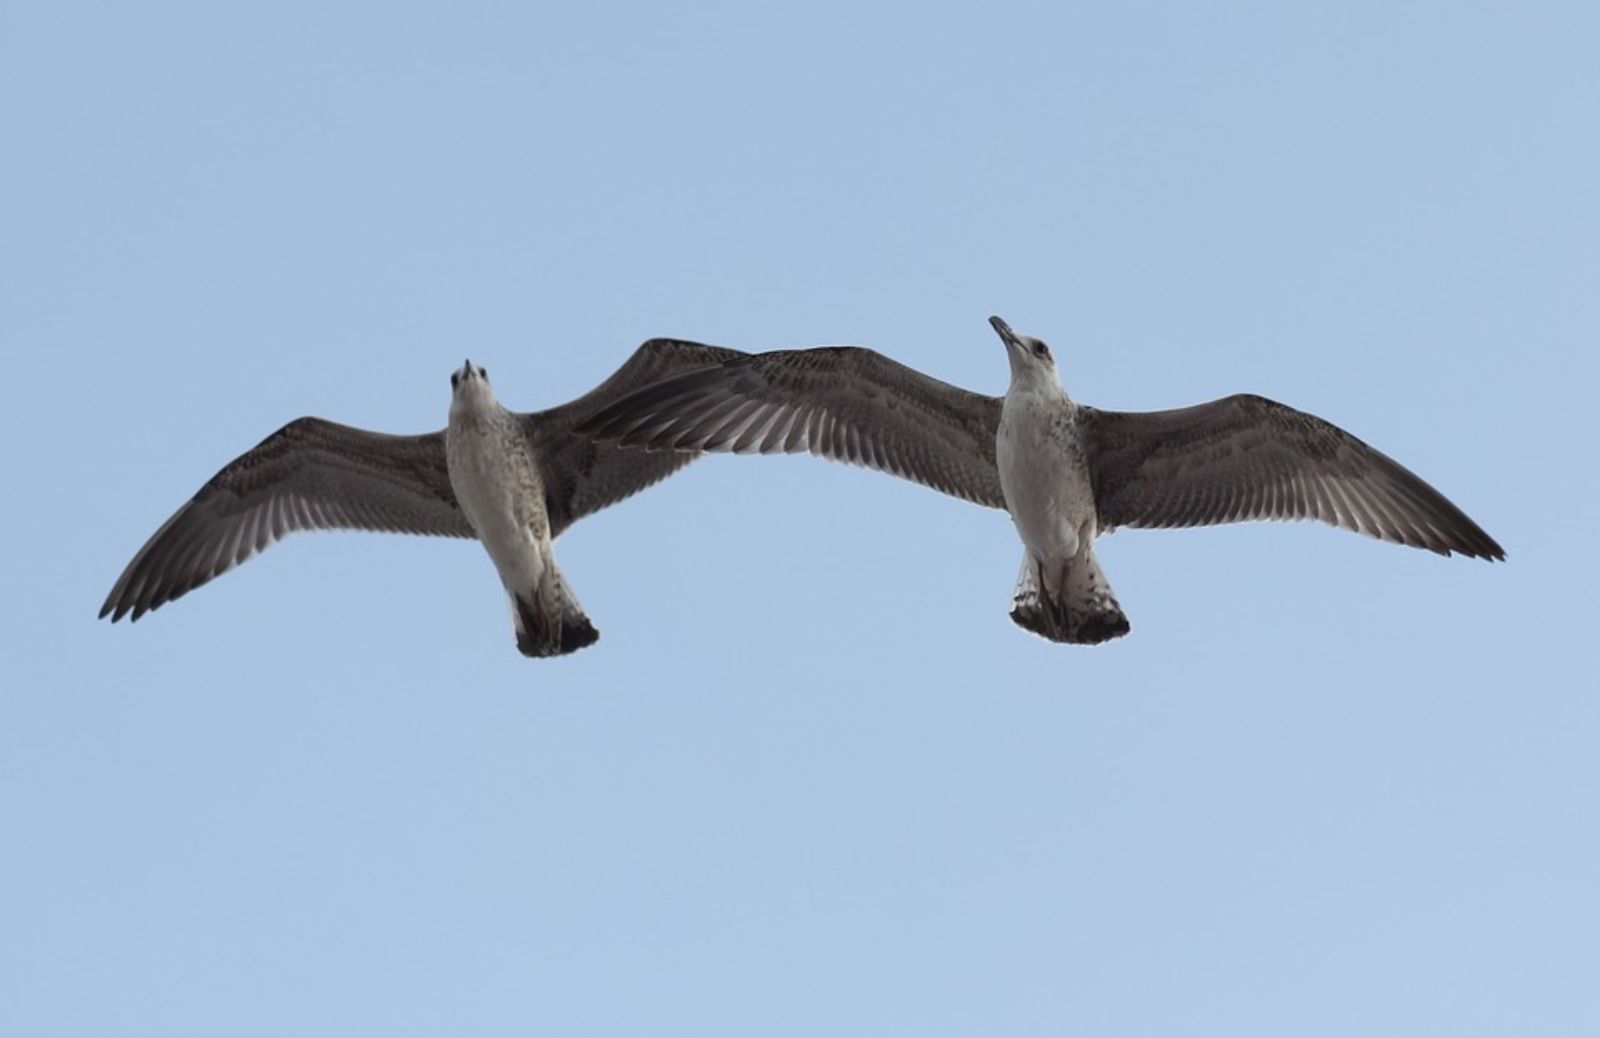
[[811, 780]]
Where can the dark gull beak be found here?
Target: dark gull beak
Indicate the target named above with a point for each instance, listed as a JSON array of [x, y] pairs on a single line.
[[1007, 336]]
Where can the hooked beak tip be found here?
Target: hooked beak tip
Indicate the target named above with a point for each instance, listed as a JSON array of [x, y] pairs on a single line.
[[1003, 330]]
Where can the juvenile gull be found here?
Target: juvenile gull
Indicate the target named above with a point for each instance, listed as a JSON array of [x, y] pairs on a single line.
[[513, 481], [1065, 472]]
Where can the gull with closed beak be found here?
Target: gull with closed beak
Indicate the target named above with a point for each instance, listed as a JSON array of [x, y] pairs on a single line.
[[1065, 472], [513, 481]]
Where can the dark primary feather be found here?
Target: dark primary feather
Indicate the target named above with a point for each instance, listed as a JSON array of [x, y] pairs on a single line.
[[310, 475], [583, 476], [845, 403], [1245, 457]]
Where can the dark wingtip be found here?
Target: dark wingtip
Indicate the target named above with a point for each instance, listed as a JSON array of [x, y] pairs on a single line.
[[1477, 544], [1488, 551], [617, 419], [116, 606]]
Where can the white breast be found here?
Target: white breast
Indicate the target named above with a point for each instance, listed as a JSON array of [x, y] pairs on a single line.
[[1044, 476], [500, 491]]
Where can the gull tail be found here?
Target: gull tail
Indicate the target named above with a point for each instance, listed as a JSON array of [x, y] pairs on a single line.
[[1067, 602], [549, 620]]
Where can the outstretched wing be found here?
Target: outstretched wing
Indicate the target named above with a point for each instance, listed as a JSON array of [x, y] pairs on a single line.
[[310, 475], [1245, 457], [583, 475], [844, 403]]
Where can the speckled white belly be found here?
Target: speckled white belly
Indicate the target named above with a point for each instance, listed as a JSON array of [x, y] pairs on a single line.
[[1044, 478], [502, 495]]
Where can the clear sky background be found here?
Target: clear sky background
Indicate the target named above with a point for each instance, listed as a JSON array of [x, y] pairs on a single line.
[[811, 780]]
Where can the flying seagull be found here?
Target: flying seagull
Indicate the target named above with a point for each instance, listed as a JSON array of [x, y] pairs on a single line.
[[1065, 472], [513, 481]]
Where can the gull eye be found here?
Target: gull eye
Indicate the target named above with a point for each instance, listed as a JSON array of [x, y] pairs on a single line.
[[483, 372], [1040, 349], [455, 379]]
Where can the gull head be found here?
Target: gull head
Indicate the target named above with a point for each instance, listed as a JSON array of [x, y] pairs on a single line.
[[1031, 362], [469, 385]]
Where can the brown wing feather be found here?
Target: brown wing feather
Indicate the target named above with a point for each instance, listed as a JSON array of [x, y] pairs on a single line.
[[310, 475], [844, 403], [1245, 457], [582, 475]]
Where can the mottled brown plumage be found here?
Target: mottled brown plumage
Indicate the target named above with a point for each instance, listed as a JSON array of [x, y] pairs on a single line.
[[844, 403], [1239, 458], [1235, 459], [1246, 457], [314, 474]]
